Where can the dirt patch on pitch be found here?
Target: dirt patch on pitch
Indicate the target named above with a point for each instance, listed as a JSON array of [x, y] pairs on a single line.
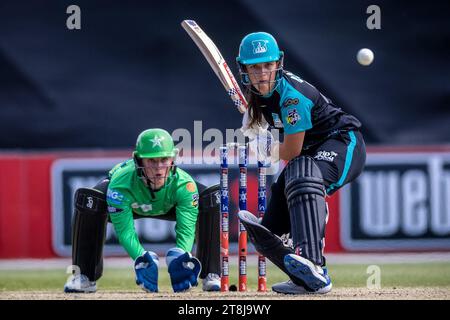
[[336, 294]]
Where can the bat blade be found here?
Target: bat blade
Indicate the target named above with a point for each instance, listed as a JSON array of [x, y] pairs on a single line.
[[217, 63]]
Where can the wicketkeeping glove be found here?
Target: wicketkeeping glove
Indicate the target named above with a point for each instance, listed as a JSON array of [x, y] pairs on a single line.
[[146, 268], [183, 269]]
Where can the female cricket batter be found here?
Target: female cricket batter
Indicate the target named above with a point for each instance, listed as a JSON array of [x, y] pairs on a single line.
[[324, 150], [148, 186]]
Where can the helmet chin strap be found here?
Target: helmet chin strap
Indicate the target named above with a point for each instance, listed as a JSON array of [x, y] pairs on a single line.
[[256, 91], [151, 184], [146, 180], [170, 170], [274, 85], [245, 80]]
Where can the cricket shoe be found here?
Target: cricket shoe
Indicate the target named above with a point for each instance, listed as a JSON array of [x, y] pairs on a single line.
[[289, 287], [314, 277], [80, 284], [211, 282]]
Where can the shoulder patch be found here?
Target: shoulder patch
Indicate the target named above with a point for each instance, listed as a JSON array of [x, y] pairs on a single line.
[[190, 186], [292, 117], [195, 200]]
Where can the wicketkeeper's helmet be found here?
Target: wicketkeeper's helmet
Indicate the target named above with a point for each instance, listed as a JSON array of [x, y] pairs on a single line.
[[154, 143]]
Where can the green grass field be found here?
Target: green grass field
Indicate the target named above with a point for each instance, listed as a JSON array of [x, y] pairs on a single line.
[[343, 276]]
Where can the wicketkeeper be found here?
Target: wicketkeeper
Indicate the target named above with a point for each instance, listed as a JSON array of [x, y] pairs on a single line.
[[149, 185]]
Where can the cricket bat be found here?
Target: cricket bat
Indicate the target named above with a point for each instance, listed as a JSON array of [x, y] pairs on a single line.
[[217, 63]]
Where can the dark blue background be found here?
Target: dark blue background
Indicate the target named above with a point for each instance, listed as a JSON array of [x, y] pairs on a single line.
[[132, 67]]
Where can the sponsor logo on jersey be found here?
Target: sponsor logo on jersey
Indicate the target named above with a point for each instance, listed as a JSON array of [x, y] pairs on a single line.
[[190, 186], [114, 197], [294, 77], [325, 156], [277, 121], [259, 46], [144, 207], [114, 210], [291, 102], [195, 200], [293, 117]]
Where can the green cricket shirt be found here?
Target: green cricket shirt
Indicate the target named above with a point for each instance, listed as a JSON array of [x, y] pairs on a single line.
[[127, 194]]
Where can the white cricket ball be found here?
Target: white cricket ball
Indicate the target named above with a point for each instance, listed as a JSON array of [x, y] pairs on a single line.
[[365, 56]]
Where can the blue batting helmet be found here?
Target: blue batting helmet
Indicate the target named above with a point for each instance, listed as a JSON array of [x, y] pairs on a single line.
[[258, 47]]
